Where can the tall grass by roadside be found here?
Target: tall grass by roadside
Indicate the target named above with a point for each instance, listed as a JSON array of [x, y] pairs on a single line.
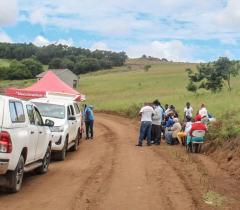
[[224, 129]]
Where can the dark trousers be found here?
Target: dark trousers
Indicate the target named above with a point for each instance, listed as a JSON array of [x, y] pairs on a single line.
[[145, 132], [89, 128], [156, 133]]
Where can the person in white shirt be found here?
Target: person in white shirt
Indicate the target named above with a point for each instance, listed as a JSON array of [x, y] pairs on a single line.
[[146, 114], [156, 123], [203, 111], [188, 111]]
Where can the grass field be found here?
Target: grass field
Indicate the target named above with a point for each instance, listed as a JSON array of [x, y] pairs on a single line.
[[120, 88]]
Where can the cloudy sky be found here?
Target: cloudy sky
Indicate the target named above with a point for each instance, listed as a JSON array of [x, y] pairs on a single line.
[[180, 30]]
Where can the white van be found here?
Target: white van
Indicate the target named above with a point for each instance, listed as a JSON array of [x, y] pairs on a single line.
[[67, 118], [25, 141]]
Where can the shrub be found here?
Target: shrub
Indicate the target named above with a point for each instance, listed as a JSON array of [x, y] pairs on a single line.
[[133, 110], [225, 129]]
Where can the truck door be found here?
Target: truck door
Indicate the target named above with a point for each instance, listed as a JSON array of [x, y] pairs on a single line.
[[43, 135], [78, 115], [33, 133], [72, 123]]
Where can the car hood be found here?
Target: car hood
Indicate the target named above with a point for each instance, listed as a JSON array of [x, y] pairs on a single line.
[[57, 122]]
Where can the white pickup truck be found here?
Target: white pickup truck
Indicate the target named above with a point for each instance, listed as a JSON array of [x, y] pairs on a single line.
[[67, 129], [25, 141]]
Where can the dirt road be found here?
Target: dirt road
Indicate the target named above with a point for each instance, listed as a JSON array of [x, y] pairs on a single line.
[[111, 173]]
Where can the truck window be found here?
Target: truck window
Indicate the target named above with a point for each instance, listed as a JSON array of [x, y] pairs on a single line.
[[39, 120], [16, 112], [72, 110], [68, 111], [76, 108], [30, 114]]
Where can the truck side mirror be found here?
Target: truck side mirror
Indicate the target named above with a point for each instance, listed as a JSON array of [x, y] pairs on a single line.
[[49, 123]]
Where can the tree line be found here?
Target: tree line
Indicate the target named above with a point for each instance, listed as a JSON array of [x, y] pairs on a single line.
[[212, 75], [78, 60]]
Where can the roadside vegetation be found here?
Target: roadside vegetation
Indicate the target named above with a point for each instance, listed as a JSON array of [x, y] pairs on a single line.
[[124, 89]]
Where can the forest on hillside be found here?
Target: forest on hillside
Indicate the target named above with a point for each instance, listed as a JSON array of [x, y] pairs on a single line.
[[28, 59]]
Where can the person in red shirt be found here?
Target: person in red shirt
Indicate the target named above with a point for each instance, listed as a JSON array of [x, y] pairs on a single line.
[[197, 125]]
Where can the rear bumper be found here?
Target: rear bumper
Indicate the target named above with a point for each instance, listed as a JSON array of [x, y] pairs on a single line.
[[4, 163]]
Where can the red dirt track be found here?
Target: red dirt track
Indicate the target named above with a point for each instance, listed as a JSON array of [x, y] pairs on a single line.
[[111, 173]]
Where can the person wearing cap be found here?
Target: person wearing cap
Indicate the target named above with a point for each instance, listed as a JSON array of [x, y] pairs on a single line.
[[156, 123], [146, 114], [89, 121], [197, 125]]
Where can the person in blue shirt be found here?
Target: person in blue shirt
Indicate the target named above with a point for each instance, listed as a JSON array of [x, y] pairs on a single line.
[[89, 120]]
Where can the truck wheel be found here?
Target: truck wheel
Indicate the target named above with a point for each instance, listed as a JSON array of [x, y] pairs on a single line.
[[16, 177], [76, 142], [45, 162], [62, 154]]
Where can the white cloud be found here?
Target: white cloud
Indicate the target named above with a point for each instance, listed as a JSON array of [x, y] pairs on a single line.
[[229, 17], [8, 12], [68, 42], [100, 46], [228, 54], [172, 50], [175, 19], [38, 16], [42, 41], [5, 38], [228, 40]]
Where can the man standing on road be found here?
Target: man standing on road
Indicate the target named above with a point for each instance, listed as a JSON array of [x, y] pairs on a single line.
[[89, 120], [146, 114], [156, 123]]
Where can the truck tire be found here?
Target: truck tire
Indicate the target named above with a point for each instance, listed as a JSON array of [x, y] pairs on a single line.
[[15, 177], [76, 142], [45, 162], [61, 155]]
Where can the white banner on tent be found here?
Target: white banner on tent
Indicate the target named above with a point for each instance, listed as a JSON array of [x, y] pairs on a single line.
[[64, 96]]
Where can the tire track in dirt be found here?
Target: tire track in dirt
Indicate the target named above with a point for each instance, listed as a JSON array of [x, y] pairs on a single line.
[[110, 173], [163, 187], [187, 173], [96, 185]]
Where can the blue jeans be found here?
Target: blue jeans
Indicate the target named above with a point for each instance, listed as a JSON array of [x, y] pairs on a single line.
[[89, 128], [168, 137], [145, 132]]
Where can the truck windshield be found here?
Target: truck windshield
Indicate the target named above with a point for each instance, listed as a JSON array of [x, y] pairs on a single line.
[[51, 110]]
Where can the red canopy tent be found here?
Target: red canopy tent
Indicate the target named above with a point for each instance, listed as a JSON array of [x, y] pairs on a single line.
[[49, 83]]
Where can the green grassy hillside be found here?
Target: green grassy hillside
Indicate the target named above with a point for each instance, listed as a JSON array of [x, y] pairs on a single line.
[[120, 88]]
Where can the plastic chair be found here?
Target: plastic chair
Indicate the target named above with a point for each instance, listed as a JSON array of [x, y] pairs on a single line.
[[195, 145]]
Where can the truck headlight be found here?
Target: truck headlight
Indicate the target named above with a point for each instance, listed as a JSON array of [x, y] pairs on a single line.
[[57, 128]]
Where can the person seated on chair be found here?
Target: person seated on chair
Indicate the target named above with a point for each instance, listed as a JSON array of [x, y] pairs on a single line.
[[197, 125], [183, 134], [171, 135]]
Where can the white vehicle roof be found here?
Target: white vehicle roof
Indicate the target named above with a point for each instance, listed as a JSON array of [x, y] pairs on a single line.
[[53, 101], [4, 102]]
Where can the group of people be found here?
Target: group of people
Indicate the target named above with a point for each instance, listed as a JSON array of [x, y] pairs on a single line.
[[159, 123]]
